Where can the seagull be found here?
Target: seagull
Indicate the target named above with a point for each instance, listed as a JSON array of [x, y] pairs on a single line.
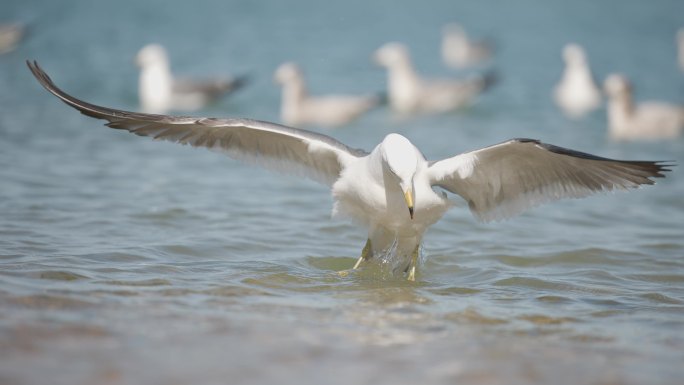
[[647, 120], [409, 93], [392, 190], [161, 92], [459, 51], [10, 35], [300, 108], [576, 93]]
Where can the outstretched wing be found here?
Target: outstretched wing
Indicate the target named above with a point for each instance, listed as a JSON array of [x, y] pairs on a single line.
[[273, 146], [504, 180]]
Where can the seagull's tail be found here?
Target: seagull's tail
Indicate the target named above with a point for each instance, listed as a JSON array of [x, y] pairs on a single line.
[[489, 79], [239, 82], [382, 98]]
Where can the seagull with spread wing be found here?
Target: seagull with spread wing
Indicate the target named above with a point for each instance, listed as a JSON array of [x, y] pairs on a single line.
[[391, 190]]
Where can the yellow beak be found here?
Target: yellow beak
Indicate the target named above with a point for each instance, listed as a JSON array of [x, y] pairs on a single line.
[[408, 195]]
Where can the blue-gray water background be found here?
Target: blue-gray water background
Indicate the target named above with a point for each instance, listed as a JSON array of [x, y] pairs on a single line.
[[127, 261]]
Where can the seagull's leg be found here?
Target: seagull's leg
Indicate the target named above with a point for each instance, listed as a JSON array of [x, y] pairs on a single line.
[[366, 253], [414, 263]]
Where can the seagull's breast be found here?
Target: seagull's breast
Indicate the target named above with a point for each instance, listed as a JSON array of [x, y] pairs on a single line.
[[367, 196], [360, 192]]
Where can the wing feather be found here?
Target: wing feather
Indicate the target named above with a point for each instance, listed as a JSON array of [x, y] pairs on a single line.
[[270, 145], [506, 179]]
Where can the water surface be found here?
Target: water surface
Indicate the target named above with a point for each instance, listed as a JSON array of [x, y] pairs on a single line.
[[125, 261]]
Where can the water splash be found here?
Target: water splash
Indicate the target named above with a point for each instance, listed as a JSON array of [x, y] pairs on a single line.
[[393, 262]]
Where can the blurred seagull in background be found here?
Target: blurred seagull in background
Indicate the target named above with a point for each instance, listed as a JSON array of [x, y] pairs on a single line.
[[576, 93], [391, 190], [10, 35], [160, 92], [409, 93], [458, 51], [300, 108], [647, 120]]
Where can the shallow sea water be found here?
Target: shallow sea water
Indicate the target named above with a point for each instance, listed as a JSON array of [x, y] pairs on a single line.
[[126, 261]]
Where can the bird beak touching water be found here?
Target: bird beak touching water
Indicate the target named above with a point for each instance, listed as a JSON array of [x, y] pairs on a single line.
[[408, 195]]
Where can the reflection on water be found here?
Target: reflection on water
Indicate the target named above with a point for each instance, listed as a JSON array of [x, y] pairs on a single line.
[[128, 261]]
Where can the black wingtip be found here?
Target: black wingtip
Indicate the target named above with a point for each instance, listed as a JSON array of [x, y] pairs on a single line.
[[40, 75], [35, 68], [83, 107], [655, 169], [662, 167], [47, 83], [241, 81]]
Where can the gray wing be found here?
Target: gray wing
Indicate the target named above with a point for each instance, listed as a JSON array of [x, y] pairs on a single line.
[[273, 146], [506, 179], [213, 88]]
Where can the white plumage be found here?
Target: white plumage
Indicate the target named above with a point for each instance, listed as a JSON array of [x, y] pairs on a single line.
[[576, 93]]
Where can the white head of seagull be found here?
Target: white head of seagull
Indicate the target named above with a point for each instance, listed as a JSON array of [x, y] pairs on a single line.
[[573, 54], [375, 188], [392, 54], [618, 86], [287, 72], [399, 156], [152, 55]]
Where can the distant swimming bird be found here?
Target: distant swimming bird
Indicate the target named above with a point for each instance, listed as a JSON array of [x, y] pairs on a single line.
[[392, 190], [300, 108], [10, 35], [459, 51], [576, 93], [648, 120], [409, 93], [680, 48], [160, 91]]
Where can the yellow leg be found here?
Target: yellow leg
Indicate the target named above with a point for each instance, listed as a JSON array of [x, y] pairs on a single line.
[[366, 253], [414, 264]]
